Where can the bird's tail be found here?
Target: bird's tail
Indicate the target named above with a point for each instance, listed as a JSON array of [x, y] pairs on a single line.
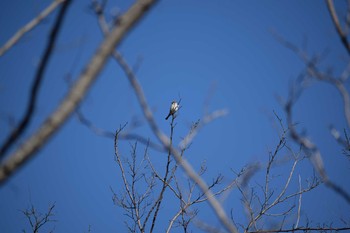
[[166, 118]]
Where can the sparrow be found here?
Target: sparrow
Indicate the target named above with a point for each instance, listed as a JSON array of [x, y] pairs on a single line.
[[173, 109]]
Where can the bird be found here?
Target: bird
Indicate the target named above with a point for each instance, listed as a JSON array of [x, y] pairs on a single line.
[[173, 109]]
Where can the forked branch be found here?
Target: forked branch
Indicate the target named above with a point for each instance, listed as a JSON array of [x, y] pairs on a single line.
[[24, 122], [77, 92]]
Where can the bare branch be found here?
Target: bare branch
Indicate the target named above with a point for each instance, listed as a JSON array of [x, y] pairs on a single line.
[[165, 179], [36, 219], [310, 149], [29, 26], [345, 142], [187, 203], [174, 219], [77, 92], [312, 152], [304, 229], [336, 82], [24, 122], [313, 71], [337, 25], [299, 203], [122, 135], [207, 228], [259, 206], [198, 126], [131, 200], [166, 143]]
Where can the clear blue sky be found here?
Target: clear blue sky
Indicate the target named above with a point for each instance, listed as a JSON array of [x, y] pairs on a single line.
[[189, 49]]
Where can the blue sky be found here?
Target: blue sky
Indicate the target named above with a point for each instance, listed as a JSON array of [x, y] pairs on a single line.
[[192, 49]]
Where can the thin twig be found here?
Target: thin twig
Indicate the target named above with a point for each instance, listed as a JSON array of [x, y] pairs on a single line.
[[37, 219], [200, 124], [166, 174], [133, 202], [310, 149], [122, 135], [313, 71], [299, 204], [314, 154]]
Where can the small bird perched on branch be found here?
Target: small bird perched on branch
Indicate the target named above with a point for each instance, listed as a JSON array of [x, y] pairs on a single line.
[[173, 109]]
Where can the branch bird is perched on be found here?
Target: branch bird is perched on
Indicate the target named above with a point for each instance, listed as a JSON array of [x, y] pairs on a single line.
[[173, 109]]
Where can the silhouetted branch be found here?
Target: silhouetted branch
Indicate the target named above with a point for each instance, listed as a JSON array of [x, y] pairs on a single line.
[[304, 229], [18, 131], [140, 213], [345, 142], [36, 219], [161, 136], [29, 26], [163, 139], [135, 203], [337, 25], [77, 92], [259, 203], [312, 71], [122, 135], [188, 201], [165, 178], [311, 150], [166, 143]]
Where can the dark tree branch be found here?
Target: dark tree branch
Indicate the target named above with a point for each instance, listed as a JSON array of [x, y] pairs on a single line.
[[165, 178], [18, 131], [77, 92], [304, 229], [341, 32], [312, 151], [165, 141], [191, 173], [312, 71], [121, 136], [38, 220]]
